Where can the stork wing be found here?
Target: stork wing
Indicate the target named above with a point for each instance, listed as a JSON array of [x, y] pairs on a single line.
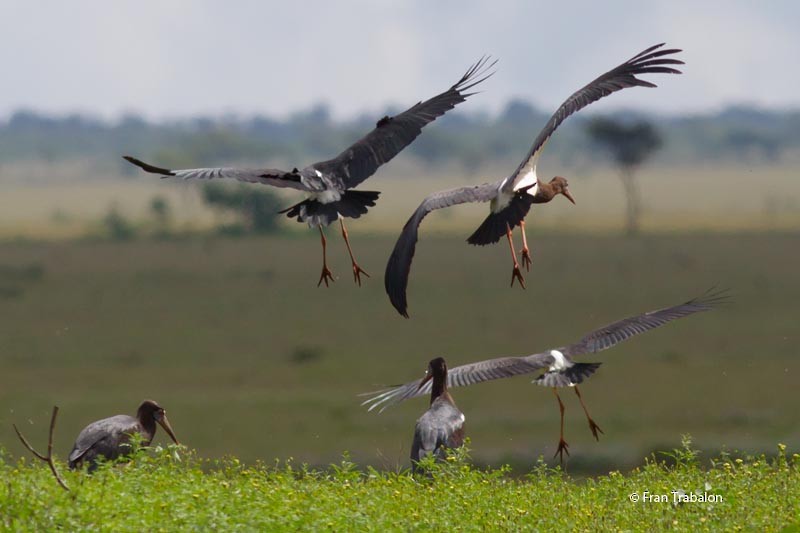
[[100, 430], [621, 77], [438, 426], [392, 134], [461, 376], [623, 330], [397, 269], [267, 176]]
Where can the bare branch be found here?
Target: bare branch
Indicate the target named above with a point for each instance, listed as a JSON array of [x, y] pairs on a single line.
[[49, 457]]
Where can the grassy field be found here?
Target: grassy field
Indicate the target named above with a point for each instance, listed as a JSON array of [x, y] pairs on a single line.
[[158, 493], [250, 358]]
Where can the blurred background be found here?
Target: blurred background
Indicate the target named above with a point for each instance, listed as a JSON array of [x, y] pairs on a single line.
[[117, 286]]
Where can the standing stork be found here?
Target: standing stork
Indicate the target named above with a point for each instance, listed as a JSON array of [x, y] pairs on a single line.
[[511, 198], [110, 437], [560, 370], [330, 184], [442, 425]]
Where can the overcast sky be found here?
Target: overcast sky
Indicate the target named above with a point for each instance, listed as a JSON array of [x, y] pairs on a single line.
[[177, 58]]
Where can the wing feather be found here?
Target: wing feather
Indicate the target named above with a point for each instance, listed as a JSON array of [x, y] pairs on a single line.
[[100, 430], [648, 61], [266, 176], [392, 134], [399, 265], [461, 376], [622, 330]]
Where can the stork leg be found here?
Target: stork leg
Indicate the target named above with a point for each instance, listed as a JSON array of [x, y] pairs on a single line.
[[592, 425], [326, 274], [357, 270], [525, 252], [515, 274], [562, 444]]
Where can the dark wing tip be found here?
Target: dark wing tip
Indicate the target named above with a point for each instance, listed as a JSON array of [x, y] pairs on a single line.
[[712, 297], [147, 167], [477, 73], [396, 285]]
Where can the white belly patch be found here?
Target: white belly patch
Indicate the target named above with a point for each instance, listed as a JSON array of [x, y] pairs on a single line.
[[560, 362], [326, 197]]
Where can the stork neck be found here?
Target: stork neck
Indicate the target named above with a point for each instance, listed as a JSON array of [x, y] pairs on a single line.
[[544, 193], [439, 388], [148, 425]]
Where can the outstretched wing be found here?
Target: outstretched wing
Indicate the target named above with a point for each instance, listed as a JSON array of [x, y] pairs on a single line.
[[620, 331], [267, 176], [399, 265], [461, 376], [621, 77], [392, 134]]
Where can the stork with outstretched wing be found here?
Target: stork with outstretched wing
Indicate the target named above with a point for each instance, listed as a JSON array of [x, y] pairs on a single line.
[[560, 370], [330, 184], [511, 198]]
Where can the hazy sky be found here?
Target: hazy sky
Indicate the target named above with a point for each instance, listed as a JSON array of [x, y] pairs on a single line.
[[175, 58]]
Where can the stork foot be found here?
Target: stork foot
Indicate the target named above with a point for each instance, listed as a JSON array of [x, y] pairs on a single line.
[[357, 271], [325, 276], [517, 275], [526, 259], [563, 447], [595, 428]]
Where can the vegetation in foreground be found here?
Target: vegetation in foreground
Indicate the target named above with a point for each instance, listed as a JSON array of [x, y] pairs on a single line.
[[175, 490]]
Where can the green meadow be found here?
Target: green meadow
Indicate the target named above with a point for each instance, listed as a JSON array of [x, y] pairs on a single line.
[[252, 359], [174, 491]]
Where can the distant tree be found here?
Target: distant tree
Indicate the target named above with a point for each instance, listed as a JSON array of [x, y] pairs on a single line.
[[159, 207], [257, 207], [118, 227], [630, 146]]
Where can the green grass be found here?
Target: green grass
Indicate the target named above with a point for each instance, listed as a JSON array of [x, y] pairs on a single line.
[[158, 492], [250, 358]]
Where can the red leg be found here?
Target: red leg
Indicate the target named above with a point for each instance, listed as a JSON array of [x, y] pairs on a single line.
[[562, 444], [592, 425], [515, 274], [357, 270], [526, 254], [326, 274]]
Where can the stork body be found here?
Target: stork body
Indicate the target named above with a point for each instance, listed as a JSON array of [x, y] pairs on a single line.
[[442, 425], [110, 437]]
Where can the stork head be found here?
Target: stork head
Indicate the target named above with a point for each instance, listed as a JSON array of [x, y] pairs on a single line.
[[559, 185], [437, 371], [149, 411]]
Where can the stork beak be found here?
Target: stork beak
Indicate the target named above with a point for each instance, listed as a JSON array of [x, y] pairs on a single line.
[[164, 423], [566, 193], [427, 378]]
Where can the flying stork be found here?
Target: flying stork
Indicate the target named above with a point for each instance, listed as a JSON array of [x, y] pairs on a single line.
[[560, 370], [511, 198], [329, 185]]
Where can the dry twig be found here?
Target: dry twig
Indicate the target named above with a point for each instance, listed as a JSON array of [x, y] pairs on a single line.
[[49, 457]]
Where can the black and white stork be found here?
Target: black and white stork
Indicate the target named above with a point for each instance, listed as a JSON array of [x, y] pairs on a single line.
[[110, 437], [511, 198], [330, 184], [560, 370]]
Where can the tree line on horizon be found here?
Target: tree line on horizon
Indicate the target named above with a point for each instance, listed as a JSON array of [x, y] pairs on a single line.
[[736, 134]]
